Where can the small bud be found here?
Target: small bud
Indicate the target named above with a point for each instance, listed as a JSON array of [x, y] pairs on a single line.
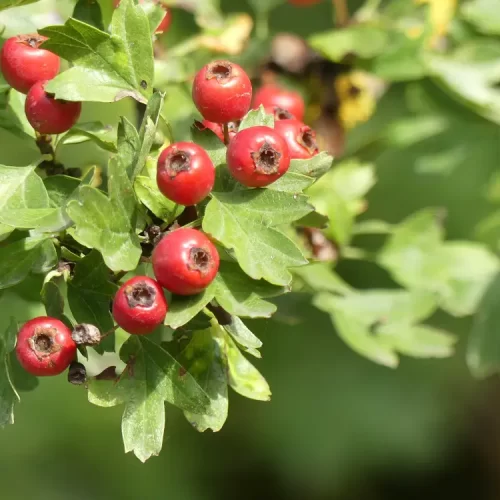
[[85, 334], [77, 374]]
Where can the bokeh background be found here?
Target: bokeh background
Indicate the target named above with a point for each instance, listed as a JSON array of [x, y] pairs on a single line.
[[338, 426]]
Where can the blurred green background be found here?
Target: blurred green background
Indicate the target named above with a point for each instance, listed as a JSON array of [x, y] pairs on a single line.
[[338, 426]]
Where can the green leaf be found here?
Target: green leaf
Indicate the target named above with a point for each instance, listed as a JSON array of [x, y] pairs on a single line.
[[90, 292], [183, 309], [18, 259], [483, 349], [244, 220], [8, 394], [207, 12], [52, 295], [264, 6], [255, 118], [362, 40], [102, 135], [321, 277], [244, 378], [13, 117], [205, 360], [24, 202], [243, 336], [240, 295], [291, 182], [108, 223], [128, 144], [148, 193], [106, 67], [155, 13], [315, 167], [210, 143], [89, 12], [483, 14]]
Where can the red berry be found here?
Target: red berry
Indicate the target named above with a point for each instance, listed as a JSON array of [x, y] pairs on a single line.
[[271, 95], [24, 63], [257, 156], [166, 21], [185, 261], [216, 128], [279, 113], [139, 305], [185, 173], [48, 115], [45, 347], [222, 92], [300, 138]]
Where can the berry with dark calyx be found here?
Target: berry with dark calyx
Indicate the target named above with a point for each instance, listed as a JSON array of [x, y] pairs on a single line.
[[217, 129], [271, 95], [85, 334], [300, 138], [222, 92], [24, 63], [185, 261], [45, 347], [139, 305], [77, 373], [48, 115], [257, 156], [185, 173], [279, 113]]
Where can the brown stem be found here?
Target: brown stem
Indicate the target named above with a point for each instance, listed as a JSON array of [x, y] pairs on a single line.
[[222, 316], [225, 129], [341, 12], [49, 163]]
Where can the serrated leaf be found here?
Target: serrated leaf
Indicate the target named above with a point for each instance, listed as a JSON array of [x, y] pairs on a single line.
[[315, 167], [209, 141], [24, 202], [243, 220], [108, 223], [291, 182], [240, 295], [244, 378], [183, 309], [155, 13], [483, 349], [102, 135], [243, 336], [106, 67], [19, 258], [204, 358], [362, 40], [8, 394], [255, 118], [90, 292], [89, 12]]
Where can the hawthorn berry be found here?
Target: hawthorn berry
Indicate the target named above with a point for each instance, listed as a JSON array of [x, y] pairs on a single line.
[[271, 95], [279, 113], [139, 305], [300, 138], [185, 173], [185, 261], [165, 22], [24, 63], [222, 92], [257, 156], [45, 347], [48, 115], [217, 129]]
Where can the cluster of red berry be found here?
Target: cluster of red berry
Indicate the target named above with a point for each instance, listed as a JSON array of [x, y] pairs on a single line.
[[185, 261], [27, 68]]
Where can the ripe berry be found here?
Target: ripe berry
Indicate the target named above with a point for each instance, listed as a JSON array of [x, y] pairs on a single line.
[[24, 63], [45, 347], [300, 138], [48, 115], [222, 92], [166, 21], [185, 261], [185, 173], [279, 113], [257, 156], [216, 128], [271, 95], [139, 305]]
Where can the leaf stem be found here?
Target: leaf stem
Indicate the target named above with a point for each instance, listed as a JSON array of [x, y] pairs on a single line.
[[225, 129], [341, 12], [195, 223], [46, 148]]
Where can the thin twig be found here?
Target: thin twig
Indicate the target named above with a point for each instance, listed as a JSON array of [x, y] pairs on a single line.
[[46, 148], [341, 12], [225, 129]]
